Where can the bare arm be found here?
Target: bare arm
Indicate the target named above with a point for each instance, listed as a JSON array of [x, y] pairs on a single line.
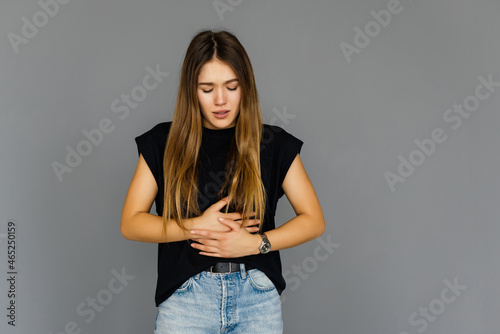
[[136, 221], [140, 225], [309, 223]]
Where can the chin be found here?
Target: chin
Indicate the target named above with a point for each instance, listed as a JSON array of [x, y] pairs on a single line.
[[222, 124]]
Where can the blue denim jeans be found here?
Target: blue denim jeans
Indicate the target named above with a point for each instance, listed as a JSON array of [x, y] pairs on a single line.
[[238, 302]]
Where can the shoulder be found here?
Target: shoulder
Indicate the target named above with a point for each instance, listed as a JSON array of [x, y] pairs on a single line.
[[159, 131], [279, 136], [154, 140], [161, 128]]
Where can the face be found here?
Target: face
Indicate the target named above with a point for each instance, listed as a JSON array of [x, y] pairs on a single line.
[[219, 95]]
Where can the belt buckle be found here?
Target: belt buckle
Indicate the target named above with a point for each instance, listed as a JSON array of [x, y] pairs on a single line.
[[211, 269]]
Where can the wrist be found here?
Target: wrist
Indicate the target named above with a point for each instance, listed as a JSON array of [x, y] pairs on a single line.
[[257, 243], [191, 224], [265, 244]]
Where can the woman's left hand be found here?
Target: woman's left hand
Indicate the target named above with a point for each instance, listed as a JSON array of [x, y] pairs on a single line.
[[237, 242]]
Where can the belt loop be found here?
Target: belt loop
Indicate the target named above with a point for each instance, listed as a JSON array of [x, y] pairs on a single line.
[[243, 271]]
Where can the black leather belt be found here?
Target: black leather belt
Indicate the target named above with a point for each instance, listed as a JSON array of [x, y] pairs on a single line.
[[227, 267]]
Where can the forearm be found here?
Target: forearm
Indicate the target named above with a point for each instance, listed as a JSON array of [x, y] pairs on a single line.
[[299, 230], [147, 227]]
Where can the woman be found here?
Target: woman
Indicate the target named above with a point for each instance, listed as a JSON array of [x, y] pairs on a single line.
[[219, 271]]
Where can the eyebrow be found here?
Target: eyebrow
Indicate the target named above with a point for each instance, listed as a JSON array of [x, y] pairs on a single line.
[[211, 83]]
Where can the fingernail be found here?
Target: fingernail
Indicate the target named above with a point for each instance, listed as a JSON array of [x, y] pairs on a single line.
[[221, 219]]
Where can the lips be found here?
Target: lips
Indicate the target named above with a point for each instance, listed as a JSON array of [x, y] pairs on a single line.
[[221, 114]]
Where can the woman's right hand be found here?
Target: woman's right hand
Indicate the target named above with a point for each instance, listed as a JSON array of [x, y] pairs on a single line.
[[209, 220]]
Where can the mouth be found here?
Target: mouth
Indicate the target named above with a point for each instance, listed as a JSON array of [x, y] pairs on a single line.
[[221, 114]]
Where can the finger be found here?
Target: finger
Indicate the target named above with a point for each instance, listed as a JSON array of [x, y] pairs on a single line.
[[251, 214], [230, 223], [206, 242], [220, 204], [232, 215], [239, 216], [252, 229], [248, 215], [252, 222], [207, 234], [199, 236], [205, 248]]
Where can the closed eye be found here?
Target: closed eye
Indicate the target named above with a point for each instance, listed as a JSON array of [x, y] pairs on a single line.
[[231, 89]]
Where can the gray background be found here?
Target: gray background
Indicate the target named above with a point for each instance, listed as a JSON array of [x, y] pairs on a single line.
[[395, 250]]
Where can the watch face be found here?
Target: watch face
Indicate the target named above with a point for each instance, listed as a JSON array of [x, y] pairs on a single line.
[[265, 247]]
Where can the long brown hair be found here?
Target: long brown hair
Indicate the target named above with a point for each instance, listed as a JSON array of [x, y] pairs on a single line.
[[243, 183]]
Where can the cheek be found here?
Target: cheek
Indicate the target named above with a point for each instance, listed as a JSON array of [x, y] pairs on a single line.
[[236, 98], [202, 101]]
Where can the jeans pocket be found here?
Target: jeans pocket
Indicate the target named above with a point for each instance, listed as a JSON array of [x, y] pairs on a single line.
[[184, 285], [260, 281]]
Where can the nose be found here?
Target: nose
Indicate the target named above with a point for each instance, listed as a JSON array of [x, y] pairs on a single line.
[[220, 97]]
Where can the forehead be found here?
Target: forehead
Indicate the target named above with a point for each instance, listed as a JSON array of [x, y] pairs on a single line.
[[216, 70]]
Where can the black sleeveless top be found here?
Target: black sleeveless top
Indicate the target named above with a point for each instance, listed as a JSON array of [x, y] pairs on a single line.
[[177, 261]]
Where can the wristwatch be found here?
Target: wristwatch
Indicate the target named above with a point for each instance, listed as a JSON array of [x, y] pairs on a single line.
[[265, 246]]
